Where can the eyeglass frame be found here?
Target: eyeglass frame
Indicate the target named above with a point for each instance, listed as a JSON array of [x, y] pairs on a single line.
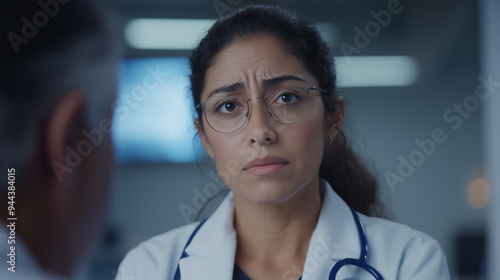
[[247, 114]]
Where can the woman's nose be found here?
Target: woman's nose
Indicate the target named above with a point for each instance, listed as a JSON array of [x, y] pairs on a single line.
[[260, 127]]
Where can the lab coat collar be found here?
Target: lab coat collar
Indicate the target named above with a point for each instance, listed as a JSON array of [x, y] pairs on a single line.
[[335, 237], [211, 253], [337, 227]]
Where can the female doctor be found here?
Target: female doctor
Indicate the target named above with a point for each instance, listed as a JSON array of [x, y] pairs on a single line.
[[300, 204]]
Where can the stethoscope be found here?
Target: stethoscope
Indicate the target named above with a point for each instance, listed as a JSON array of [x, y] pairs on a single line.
[[360, 262]]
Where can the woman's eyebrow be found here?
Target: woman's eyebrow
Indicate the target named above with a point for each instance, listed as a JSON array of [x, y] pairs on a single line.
[[266, 83], [280, 79], [231, 88]]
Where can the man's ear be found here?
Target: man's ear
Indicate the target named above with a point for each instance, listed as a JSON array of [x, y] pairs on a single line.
[[336, 118], [62, 134], [63, 126], [204, 139]]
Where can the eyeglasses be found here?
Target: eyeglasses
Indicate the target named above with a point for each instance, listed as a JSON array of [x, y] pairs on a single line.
[[229, 113]]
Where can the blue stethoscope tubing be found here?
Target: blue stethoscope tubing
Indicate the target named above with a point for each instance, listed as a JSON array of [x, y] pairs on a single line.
[[360, 262]]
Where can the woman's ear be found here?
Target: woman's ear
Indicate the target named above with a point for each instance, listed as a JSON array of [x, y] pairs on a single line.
[[204, 139], [336, 118]]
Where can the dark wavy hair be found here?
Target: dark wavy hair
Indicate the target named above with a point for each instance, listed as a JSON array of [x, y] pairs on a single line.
[[340, 166]]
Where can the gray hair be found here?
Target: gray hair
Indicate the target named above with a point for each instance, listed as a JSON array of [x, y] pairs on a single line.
[[76, 49]]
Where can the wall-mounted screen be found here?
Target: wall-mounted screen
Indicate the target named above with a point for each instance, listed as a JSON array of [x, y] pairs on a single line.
[[153, 118]]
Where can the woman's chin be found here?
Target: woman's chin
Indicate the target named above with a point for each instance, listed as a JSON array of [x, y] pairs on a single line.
[[266, 194]]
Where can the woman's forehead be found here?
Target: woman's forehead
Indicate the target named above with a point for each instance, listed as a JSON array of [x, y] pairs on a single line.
[[254, 61]]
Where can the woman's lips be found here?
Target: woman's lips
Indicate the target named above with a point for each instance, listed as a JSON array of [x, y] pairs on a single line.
[[265, 166]]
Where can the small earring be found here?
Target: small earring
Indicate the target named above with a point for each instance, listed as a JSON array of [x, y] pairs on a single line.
[[332, 137], [331, 140]]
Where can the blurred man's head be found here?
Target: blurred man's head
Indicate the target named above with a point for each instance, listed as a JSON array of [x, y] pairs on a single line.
[[58, 61]]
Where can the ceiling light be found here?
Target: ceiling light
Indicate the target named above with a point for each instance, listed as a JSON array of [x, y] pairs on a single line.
[[171, 34], [376, 71]]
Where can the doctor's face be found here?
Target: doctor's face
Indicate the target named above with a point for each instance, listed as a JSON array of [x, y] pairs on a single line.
[[264, 161]]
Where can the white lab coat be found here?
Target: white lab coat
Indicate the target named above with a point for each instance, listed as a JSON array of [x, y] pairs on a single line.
[[395, 250]]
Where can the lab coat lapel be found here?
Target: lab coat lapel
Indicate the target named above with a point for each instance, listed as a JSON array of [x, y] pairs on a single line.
[[212, 250], [335, 236]]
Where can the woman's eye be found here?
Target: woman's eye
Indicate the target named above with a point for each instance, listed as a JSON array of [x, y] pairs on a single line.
[[287, 98], [227, 107]]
